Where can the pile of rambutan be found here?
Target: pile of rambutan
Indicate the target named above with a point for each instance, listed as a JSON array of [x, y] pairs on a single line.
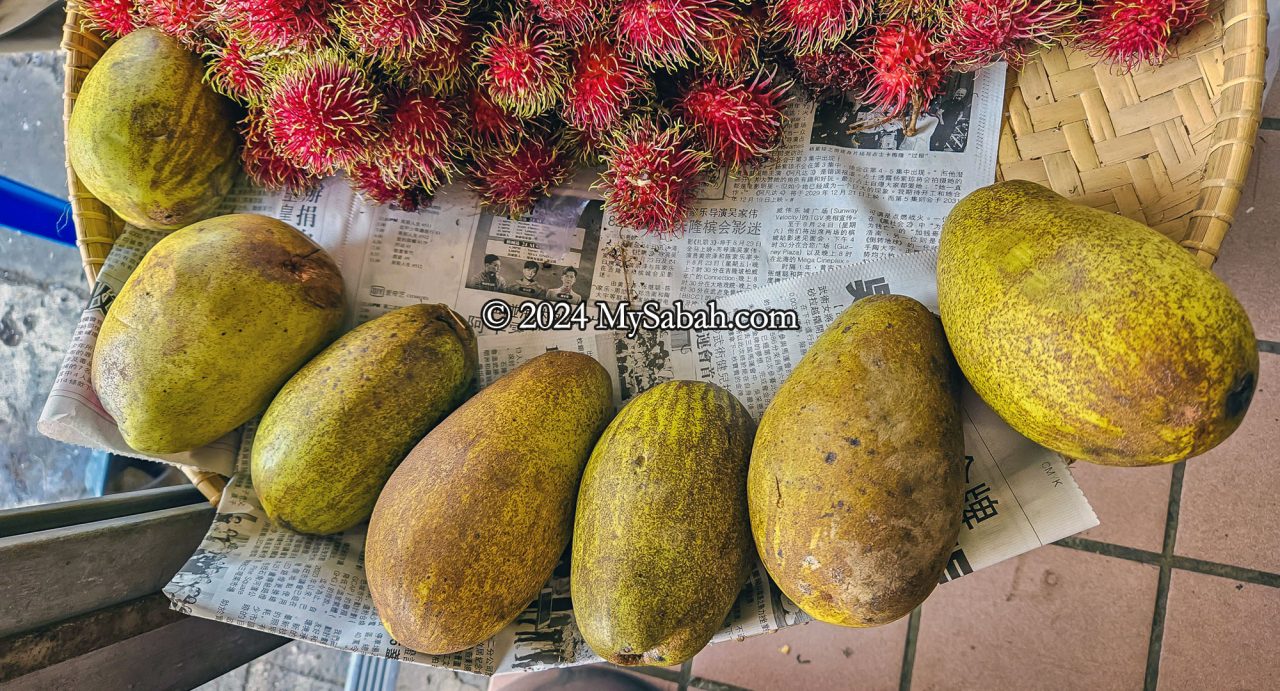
[[404, 96]]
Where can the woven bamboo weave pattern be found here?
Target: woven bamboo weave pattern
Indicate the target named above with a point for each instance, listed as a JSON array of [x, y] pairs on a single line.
[[1168, 146]]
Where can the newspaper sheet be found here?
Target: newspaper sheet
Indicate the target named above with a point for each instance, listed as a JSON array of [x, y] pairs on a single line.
[[832, 198]]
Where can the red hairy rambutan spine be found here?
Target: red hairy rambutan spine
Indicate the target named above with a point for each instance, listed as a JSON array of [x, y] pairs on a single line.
[[111, 18], [602, 85], [919, 11], [395, 30], [669, 33], [184, 20], [573, 17], [979, 32], [489, 126], [805, 26], [831, 71], [367, 180], [301, 24], [321, 110], [738, 121], [234, 70], [733, 48], [511, 179], [522, 66], [421, 141], [904, 70], [440, 67], [583, 148], [1128, 33], [651, 174], [263, 165]]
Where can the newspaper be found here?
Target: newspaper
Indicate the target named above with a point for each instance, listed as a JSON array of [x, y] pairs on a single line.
[[831, 199]]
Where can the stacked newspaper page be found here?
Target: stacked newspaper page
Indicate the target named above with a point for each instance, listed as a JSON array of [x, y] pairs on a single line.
[[844, 213]]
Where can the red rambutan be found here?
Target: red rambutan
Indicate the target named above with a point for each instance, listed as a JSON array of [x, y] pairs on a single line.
[[805, 26], [370, 183], [421, 141], [489, 126], [583, 148], [919, 11], [321, 110], [396, 30], [266, 167], [1128, 33], [510, 179], [651, 174], [601, 86], [185, 20], [279, 23], [112, 18], [521, 65], [733, 48], [234, 70], [979, 32], [573, 17], [439, 67], [906, 70], [738, 121], [831, 71], [670, 33]]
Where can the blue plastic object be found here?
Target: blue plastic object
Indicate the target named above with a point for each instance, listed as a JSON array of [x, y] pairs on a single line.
[[28, 210], [371, 673]]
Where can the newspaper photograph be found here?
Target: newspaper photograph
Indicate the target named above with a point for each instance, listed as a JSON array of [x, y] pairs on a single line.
[[829, 202]]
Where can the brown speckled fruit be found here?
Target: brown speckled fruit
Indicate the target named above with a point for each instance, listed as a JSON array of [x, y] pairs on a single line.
[[856, 479]]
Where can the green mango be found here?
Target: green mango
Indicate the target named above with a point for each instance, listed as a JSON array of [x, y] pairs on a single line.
[[661, 545], [149, 138], [1090, 333], [335, 432], [471, 525], [856, 483], [212, 322]]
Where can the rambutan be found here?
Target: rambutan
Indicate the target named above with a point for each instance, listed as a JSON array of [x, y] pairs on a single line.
[[1128, 33], [442, 67], [489, 126], [651, 174], [979, 32], [738, 121], [733, 48], [421, 141], [522, 66], [905, 71], [805, 26], [670, 33], [831, 71], [395, 30], [602, 85], [321, 110], [266, 167], [234, 70], [111, 18], [185, 20], [919, 11], [582, 147], [510, 179], [369, 182], [573, 17], [300, 24]]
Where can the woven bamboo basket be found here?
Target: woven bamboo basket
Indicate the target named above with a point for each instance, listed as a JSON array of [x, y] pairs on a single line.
[[1168, 146]]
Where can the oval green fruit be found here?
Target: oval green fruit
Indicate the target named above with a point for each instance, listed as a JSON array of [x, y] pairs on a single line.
[[1089, 333], [856, 479], [209, 326], [470, 526], [661, 545], [335, 432], [148, 137]]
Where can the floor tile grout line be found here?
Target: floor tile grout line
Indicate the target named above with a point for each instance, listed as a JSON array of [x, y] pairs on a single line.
[[711, 685], [1182, 563], [909, 649], [1156, 641], [1270, 347], [1108, 549], [686, 671], [1270, 124]]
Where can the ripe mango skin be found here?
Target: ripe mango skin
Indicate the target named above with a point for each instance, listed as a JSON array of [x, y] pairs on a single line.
[[857, 473], [212, 322], [149, 138], [1089, 333], [335, 432], [471, 525], [661, 545]]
